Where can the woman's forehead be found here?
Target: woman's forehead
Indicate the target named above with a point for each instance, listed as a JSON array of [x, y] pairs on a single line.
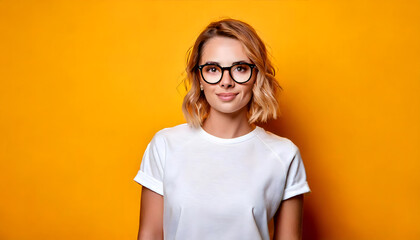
[[224, 51]]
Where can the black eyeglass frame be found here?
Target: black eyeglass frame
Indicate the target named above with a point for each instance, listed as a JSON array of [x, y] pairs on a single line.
[[200, 67]]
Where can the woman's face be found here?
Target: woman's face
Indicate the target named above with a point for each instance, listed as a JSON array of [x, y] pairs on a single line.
[[227, 96]]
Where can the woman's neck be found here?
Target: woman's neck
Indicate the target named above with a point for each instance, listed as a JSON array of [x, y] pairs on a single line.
[[227, 125]]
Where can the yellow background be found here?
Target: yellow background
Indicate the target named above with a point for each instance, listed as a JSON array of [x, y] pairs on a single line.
[[86, 84]]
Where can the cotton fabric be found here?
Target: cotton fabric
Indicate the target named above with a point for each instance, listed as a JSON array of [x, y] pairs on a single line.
[[216, 188]]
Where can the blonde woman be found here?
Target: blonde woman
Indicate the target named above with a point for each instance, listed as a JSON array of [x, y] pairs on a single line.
[[219, 176]]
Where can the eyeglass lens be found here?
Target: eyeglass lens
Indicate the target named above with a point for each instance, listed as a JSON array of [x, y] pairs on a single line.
[[240, 73]]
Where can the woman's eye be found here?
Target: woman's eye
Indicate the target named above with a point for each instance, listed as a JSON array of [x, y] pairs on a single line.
[[240, 69], [211, 69]]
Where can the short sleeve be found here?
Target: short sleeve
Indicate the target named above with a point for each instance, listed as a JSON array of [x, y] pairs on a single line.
[[296, 178], [152, 165]]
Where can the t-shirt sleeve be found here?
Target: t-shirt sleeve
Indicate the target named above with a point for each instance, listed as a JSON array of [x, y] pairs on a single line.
[[152, 165], [296, 178]]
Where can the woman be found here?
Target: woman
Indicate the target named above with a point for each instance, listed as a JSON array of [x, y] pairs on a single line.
[[220, 176]]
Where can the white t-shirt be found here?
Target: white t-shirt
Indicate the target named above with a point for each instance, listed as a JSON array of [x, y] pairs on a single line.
[[221, 189]]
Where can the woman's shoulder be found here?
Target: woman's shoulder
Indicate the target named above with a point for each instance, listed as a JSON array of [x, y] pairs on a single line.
[[178, 130], [277, 142]]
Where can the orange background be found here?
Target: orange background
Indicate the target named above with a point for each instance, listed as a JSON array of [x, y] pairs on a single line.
[[86, 84]]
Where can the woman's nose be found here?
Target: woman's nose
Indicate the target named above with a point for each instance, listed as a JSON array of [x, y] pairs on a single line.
[[226, 80]]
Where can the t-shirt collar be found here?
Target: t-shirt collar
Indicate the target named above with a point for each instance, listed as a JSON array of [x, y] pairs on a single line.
[[242, 138]]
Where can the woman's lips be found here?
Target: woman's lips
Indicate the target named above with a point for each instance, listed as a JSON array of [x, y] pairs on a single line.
[[227, 96]]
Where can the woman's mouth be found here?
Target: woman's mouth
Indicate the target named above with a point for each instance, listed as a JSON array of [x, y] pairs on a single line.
[[226, 96]]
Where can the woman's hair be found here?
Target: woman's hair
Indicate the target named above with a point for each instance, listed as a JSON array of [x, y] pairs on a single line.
[[263, 104]]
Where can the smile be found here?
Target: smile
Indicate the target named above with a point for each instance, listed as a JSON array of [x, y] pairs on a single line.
[[227, 96]]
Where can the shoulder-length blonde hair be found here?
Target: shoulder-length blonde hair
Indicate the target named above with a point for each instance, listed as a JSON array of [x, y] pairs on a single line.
[[263, 104]]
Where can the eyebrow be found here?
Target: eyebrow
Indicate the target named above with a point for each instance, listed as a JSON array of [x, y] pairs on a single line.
[[212, 62]]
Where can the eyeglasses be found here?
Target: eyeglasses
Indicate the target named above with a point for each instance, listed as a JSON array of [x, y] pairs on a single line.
[[212, 73]]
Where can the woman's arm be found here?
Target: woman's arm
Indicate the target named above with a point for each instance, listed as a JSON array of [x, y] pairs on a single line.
[[151, 216], [288, 219]]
